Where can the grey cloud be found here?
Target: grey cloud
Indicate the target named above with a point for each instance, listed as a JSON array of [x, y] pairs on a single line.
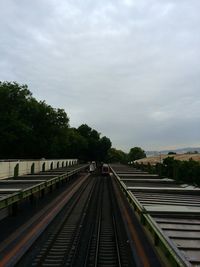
[[130, 69]]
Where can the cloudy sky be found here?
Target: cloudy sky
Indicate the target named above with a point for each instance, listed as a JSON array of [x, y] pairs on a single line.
[[128, 68]]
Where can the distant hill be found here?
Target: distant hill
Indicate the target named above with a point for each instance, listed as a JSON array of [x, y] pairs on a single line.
[[178, 151], [159, 158]]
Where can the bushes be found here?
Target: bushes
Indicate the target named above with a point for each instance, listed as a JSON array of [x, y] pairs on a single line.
[[189, 172], [181, 171]]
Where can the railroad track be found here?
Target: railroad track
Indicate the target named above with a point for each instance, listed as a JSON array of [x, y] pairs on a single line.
[[107, 246], [59, 248], [93, 224], [102, 246], [88, 234]]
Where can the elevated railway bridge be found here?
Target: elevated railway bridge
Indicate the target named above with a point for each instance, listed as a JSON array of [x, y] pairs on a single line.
[[62, 215]]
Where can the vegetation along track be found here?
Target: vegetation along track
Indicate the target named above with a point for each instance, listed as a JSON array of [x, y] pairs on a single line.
[[89, 232]]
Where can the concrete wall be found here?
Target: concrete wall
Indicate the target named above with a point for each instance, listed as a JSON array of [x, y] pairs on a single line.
[[9, 168]]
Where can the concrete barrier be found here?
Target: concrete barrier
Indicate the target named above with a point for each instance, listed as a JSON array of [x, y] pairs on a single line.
[[22, 167]]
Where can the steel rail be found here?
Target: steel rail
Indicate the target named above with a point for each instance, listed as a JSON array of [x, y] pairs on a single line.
[[97, 205], [103, 239], [117, 242], [76, 241], [99, 228], [107, 248], [114, 224], [61, 228]]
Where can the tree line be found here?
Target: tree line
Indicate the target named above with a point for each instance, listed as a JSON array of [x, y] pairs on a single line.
[[33, 129], [181, 171], [116, 155]]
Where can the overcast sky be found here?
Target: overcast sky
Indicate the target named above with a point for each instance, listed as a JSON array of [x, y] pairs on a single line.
[[128, 68]]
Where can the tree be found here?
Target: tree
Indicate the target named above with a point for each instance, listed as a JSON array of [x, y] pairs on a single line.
[[92, 137], [97, 148], [78, 145], [104, 146], [28, 128], [14, 131], [33, 129], [136, 153], [116, 155], [171, 153]]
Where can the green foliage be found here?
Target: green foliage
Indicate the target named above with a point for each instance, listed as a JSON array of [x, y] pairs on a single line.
[[77, 144], [115, 156], [150, 168], [33, 129], [14, 130], [136, 153], [182, 171], [104, 147], [97, 148], [189, 171]]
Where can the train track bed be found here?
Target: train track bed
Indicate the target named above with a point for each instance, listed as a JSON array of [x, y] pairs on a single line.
[[106, 236], [87, 231], [58, 246], [169, 212]]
